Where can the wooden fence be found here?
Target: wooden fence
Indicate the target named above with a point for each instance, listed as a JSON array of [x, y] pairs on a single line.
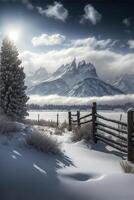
[[119, 135], [57, 119]]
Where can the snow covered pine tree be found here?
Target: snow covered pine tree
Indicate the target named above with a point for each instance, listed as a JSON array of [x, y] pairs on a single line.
[[12, 78]]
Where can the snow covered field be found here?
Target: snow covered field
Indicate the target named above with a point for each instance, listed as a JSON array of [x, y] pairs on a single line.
[[51, 115], [83, 171]]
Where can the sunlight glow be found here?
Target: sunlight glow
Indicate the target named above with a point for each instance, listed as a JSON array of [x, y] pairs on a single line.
[[13, 35]]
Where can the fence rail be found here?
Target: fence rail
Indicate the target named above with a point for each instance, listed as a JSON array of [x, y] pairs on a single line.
[[89, 115], [111, 143], [112, 133], [121, 137], [86, 122], [111, 127], [111, 120]]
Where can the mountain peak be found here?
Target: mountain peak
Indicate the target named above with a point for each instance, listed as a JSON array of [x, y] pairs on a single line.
[[38, 76], [73, 64], [87, 68], [74, 73], [81, 63], [40, 70]]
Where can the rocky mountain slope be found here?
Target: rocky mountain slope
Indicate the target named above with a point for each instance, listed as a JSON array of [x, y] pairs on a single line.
[[93, 87], [38, 76], [58, 86], [125, 83]]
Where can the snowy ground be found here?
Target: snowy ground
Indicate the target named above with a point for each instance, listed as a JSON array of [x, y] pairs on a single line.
[[88, 172]]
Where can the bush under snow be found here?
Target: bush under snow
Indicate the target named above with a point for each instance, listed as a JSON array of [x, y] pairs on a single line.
[[84, 132], [43, 142], [7, 126]]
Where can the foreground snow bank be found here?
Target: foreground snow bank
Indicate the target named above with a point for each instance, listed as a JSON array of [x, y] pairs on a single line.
[[81, 172], [7, 126]]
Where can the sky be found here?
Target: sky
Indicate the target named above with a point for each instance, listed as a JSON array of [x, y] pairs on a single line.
[[51, 33]]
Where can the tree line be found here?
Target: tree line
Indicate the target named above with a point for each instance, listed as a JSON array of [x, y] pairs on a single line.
[[124, 107]]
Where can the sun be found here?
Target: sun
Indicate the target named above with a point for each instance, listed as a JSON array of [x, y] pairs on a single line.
[[13, 35]]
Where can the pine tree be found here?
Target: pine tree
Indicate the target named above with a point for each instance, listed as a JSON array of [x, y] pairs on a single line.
[[12, 78]]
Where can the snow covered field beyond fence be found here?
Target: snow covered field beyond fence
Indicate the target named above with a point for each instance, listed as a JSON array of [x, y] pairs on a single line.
[[52, 115]]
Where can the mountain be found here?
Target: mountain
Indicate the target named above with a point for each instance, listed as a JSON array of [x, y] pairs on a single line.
[[58, 86], [93, 87], [38, 76], [72, 73], [125, 83], [75, 80]]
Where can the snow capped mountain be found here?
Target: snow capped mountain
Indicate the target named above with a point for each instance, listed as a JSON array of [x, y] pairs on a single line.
[[41, 74], [38, 76], [73, 73], [93, 87], [75, 80], [58, 86], [125, 83], [71, 67]]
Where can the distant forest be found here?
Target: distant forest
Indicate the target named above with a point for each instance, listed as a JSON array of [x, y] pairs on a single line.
[[124, 107]]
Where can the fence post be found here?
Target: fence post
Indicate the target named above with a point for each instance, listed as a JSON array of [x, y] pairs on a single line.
[[38, 118], [130, 153], [94, 129], [78, 119], [69, 121], [57, 119]]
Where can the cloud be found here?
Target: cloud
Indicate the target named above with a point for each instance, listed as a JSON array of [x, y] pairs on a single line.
[[126, 22], [91, 14], [46, 40], [131, 44], [62, 100], [93, 43], [56, 11], [109, 64]]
